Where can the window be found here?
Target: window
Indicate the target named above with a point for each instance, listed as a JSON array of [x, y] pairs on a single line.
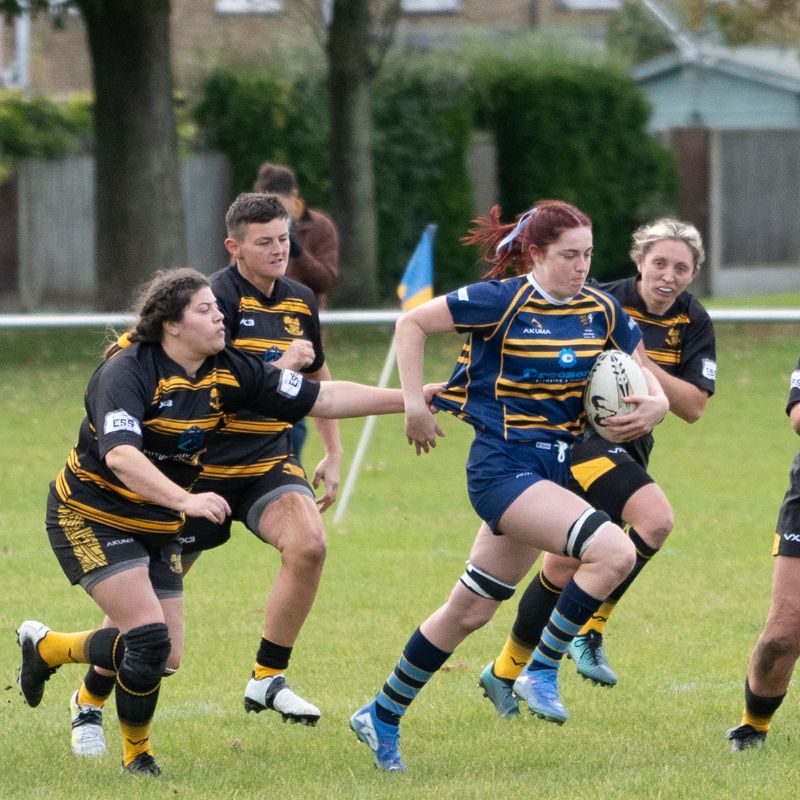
[[431, 6], [247, 6]]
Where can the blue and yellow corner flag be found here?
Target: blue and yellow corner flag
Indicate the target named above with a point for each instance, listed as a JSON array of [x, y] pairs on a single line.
[[416, 285]]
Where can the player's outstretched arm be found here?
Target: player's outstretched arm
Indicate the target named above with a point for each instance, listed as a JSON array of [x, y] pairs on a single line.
[[343, 399]]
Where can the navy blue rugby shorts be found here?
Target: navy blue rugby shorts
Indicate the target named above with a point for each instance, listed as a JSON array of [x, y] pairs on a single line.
[[498, 472]]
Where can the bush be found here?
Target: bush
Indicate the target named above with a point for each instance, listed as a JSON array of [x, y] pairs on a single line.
[[577, 132], [41, 128], [422, 129], [423, 124], [565, 127]]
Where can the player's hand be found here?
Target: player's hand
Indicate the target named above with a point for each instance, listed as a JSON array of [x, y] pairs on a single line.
[[207, 504], [649, 411], [298, 355], [429, 391], [422, 429], [329, 472]]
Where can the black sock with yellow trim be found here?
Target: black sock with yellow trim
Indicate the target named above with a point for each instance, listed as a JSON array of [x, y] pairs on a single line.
[[644, 552], [759, 710], [534, 610]]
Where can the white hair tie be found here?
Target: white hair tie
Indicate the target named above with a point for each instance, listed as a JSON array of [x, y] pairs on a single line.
[[508, 240]]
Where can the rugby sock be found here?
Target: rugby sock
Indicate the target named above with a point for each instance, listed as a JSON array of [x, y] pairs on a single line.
[[758, 711], [572, 610], [644, 552], [137, 688], [58, 648], [271, 659], [420, 660], [534, 610], [85, 647], [96, 688]]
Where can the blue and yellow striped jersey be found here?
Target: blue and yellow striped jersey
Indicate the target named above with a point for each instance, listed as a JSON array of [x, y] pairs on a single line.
[[523, 367]]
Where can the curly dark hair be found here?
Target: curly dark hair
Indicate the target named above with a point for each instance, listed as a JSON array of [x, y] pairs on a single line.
[[162, 299]]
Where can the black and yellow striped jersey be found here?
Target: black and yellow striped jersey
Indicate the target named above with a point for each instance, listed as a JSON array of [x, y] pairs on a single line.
[[526, 359], [265, 327], [681, 341], [140, 397]]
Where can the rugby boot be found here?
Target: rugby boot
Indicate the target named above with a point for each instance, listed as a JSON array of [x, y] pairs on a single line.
[[87, 728], [33, 671], [745, 737], [539, 689], [274, 693], [587, 652], [500, 692], [381, 738]]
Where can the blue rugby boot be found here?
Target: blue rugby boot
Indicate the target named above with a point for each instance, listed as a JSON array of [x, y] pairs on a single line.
[[539, 689], [587, 652], [500, 692], [381, 738]]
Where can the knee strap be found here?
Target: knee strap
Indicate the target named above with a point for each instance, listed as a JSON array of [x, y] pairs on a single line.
[[485, 585], [583, 531]]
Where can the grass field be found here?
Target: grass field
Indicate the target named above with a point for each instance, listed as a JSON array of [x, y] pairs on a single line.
[[680, 641]]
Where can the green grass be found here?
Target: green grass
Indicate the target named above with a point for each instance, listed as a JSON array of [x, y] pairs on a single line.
[[680, 641]]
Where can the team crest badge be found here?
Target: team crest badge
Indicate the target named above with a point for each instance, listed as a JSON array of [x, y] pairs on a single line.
[[292, 325], [191, 440]]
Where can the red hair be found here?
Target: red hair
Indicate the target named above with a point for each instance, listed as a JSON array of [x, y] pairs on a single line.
[[506, 244]]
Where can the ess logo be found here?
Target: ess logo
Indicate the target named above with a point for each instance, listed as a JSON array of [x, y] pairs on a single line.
[[120, 421], [290, 383]]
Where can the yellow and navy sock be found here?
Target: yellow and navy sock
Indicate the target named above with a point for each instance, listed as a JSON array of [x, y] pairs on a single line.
[[572, 610], [417, 665]]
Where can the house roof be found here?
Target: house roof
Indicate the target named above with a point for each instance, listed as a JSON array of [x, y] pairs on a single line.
[[771, 66]]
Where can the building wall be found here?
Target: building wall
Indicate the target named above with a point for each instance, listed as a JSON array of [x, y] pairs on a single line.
[[203, 38], [693, 96]]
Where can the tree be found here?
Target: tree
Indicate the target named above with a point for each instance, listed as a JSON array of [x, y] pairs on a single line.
[[139, 206], [359, 35], [749, 21]]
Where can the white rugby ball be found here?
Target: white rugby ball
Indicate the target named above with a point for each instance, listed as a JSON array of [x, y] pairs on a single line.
[[614, 375]]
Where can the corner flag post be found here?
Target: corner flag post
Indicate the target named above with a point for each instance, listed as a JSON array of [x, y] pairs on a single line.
[[416, 286]]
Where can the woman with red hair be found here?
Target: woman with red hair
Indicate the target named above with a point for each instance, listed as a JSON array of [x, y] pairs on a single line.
[[531, 341]]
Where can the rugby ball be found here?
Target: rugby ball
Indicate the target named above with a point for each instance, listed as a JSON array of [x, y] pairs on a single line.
[[614, 375]]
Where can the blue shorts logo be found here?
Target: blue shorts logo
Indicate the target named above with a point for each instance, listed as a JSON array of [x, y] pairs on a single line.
[[567, 357]]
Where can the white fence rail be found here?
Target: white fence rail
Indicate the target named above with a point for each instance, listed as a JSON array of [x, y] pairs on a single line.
[[352, 317]]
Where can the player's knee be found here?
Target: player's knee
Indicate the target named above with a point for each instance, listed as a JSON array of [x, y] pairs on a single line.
[[656, 527], [305, 548], [774, 645], [614, 550], [147, 648]]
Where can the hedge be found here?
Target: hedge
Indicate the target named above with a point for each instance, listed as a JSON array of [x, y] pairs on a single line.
[[578, 132], [564, 127]]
